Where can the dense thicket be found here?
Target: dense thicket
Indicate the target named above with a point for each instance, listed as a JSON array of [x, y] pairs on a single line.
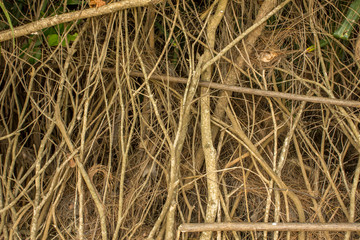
[[98, 139]]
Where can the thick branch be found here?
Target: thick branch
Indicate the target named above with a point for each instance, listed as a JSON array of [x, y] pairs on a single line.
[[72, 16]]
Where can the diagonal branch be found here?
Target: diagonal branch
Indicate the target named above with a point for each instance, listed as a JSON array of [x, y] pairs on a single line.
[[72, 16]]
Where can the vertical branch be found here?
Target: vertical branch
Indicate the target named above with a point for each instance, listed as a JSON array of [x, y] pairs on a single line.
[[282, 159], [213, 190], [124, 144], [252, 34]]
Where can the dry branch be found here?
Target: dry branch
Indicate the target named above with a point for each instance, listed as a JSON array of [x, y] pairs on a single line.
[[199, 227], [72, 16], [213, 190], [253, 91]]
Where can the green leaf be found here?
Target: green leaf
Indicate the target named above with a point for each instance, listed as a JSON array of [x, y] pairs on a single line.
[[38, 42], [73, 2], [36, 53], [63, 43], [49, 31], [53, 40], [61, 28], [44, 6], [72, 37], [352, 16], [323, 43]]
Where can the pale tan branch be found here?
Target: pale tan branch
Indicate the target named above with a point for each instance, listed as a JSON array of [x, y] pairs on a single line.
[[72, 16], [246, 226]]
